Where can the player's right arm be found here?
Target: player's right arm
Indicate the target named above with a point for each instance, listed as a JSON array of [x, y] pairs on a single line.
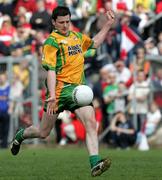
[[49, 64], [51, 84]]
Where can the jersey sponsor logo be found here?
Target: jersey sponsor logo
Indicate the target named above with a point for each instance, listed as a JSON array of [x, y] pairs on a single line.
[[73, 50]]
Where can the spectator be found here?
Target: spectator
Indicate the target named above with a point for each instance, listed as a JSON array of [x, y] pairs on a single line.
[[4, 110], [38, 40], [101, 84], [21, 70], [122, 5], [72, 129], [50, 5], [29, 5], [138, 97], [157, 81], [122, 131], [16, 50], [8, 33], [16, 95], [24, 41], [6, 7], [157, 87], [40, 18], [23, 22], [77, 13], [22, 11], [158, 6], [141, 13], [103, 5], [123, 74], [150, 46], [109, 95], [121, 98], [148, 5], [153, 119], [139, 63], [86, 8], [67, 129]]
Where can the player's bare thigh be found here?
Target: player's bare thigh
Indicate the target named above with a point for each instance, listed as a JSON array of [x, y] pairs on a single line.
[[86, 114], [47, 123]]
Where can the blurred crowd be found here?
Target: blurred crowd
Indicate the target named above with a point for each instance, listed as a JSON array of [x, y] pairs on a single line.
[[127, 92]]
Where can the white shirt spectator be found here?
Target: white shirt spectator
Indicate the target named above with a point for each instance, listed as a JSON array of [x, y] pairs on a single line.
[[16, 90], [139, 90], [123, 76], [153, 119], [110, 67], [16, 94], [144, 20]]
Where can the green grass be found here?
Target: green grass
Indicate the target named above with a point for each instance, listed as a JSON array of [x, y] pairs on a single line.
[[72, 163]]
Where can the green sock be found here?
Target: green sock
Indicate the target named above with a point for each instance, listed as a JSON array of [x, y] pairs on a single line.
[[19, 135], [94, 159]]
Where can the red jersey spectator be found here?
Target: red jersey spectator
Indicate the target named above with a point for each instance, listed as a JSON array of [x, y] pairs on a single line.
[[7, 31], [29, 5], [159, 7], [22, 21], [102, 5], [50, 5], [71, 128]]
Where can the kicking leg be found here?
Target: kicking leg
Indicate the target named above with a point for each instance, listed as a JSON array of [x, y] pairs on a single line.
[[86, 114], [42, 131], [98, 165]]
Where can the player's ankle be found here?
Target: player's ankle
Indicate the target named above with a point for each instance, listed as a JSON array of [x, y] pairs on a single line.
[[19, 135], [94, 159]]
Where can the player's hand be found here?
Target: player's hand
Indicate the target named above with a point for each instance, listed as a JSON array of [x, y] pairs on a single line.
[[110, 16], [51, 105]]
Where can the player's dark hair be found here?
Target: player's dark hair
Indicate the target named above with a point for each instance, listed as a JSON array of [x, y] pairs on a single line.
[[60, 11]]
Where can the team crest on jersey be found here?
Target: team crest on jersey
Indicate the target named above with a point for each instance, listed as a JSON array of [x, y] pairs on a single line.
[[73, 50]]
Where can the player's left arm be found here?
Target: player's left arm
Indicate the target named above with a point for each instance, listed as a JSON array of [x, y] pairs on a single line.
[[101, 35]]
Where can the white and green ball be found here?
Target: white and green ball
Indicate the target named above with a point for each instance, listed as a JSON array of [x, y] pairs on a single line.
[[82, 95]]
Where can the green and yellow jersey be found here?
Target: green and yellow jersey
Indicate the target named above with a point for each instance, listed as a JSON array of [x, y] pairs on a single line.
[[65, 55]]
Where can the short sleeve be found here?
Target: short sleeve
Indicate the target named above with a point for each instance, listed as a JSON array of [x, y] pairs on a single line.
[[49, 57], [87, 43]]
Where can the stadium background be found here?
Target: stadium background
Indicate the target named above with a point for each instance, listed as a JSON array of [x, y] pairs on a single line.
[[133, 44]]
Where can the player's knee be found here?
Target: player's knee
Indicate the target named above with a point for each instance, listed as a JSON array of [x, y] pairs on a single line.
[[43, 135], [91, 124]]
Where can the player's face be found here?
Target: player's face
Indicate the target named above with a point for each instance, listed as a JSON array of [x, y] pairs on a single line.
[[62, 24]]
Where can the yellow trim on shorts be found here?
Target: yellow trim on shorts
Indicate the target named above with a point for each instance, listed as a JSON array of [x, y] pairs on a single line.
[[59, 87]]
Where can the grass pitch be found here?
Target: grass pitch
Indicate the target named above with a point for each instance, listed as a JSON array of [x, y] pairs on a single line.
[[72, 163]]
